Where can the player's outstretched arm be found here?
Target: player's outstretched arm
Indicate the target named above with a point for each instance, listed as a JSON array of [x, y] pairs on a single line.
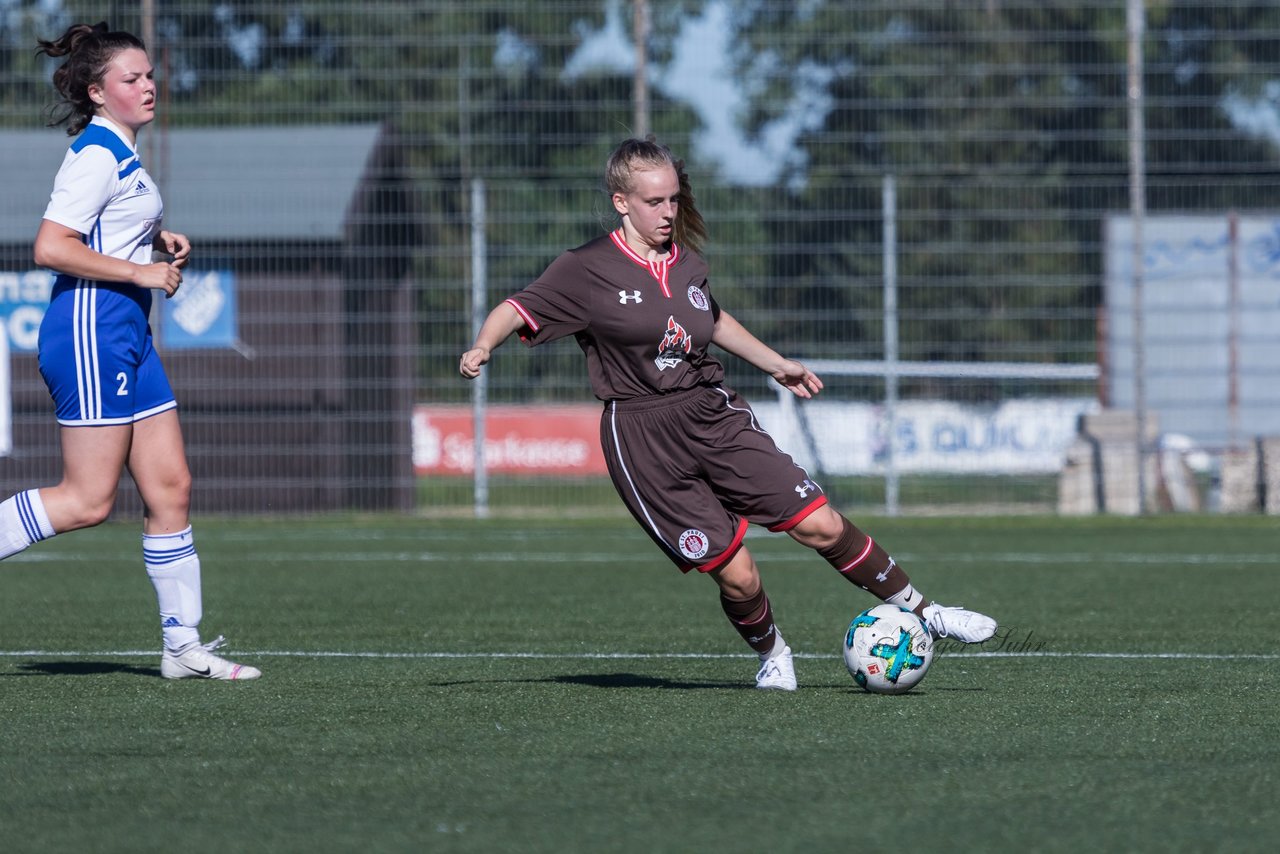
[[498, 327], [734, 337]]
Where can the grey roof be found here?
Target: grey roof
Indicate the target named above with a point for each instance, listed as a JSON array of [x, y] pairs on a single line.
[[244, 183]]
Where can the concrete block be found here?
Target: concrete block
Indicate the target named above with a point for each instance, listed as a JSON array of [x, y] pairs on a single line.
[[1238, 480]]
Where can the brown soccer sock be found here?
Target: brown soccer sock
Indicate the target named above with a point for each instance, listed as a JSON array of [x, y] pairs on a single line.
[[858, 558], [753, 618]]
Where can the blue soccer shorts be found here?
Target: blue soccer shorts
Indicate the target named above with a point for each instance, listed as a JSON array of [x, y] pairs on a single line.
[[97, 356]]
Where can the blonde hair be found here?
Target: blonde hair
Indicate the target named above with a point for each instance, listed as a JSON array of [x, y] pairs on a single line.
[[640, 155]]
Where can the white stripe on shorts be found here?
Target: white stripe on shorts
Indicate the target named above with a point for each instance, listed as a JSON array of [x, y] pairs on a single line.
[[617, 447]]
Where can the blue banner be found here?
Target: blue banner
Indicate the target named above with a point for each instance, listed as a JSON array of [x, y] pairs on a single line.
[[202, 313], [23, 299]]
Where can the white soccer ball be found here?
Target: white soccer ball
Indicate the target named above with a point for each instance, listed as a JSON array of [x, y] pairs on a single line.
[[887, 649]]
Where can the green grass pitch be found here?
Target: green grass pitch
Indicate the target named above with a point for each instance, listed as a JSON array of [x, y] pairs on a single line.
[[556, 686]]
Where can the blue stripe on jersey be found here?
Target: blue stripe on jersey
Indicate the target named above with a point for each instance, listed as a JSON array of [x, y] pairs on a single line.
[[28, 516], [99, 135], [130, 168]]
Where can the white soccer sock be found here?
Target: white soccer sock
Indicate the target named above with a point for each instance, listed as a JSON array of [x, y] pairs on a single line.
[[174, 567], [907, 598], [778, 645], [23, 522]]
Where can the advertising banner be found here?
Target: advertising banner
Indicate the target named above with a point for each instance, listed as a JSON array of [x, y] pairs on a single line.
[[6, 398], [1016, 437], [202, 313], [522, 440], [934, 436], [1210, 312], [23, 299]]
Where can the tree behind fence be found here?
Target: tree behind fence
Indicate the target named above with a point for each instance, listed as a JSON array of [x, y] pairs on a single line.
[[346, 240]]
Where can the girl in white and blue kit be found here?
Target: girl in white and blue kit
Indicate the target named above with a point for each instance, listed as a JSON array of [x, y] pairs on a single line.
[[110, 392]]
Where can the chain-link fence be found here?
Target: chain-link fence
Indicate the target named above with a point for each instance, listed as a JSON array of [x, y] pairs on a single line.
[[910, 184]]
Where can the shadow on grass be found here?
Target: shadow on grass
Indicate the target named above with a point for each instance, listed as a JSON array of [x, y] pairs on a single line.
[[603, 680], [82, 668], [634, 680]]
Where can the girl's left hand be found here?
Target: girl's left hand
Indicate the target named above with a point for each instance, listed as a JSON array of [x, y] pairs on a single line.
[[795, 376], [176, 245]]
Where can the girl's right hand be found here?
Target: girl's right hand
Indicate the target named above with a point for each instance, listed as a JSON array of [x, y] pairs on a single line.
[[160, 276], [471, 361]]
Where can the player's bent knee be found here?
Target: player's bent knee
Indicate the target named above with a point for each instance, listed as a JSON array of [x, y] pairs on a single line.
[[739, 578], [178, 500], [89, 514], [170, 497], [820, 529], [172, 509]]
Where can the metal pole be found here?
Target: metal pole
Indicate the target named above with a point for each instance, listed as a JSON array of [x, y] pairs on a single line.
[[147, 141], [890, 207], [149, 26], [1136, 23], [1233, 330], [640, 83], [480, 388]]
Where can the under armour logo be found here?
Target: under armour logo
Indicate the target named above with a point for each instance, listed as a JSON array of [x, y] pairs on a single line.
[[624, 297], [805, 488], [882, 577]]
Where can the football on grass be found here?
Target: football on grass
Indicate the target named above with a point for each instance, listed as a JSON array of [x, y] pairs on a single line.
[[887, 649]]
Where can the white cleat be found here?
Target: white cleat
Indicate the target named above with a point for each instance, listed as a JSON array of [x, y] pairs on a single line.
[[945, 621], [198, 662], [777, 673]]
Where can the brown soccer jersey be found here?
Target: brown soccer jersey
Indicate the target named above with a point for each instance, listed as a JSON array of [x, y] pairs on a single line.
[[644, 326], [685, 453]]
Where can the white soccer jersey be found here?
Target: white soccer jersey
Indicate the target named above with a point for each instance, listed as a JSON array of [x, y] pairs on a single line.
[[103, 192], [96, 352]]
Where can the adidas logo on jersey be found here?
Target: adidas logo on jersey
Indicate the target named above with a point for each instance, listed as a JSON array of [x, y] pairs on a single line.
[[141, 189]]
